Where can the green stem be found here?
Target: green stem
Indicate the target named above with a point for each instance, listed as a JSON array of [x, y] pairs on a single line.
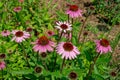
[[72, 27], [55, 53], [45, 65], [25, 55], [54, 62], [79, 35], [72, 21], [84, 38], [2, 75], [62, 65], [60, 36], [68, 18], [92, 67], [37, 56], [68, 39]]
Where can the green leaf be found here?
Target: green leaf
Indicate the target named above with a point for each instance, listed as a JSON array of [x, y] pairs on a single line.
[[30, 76], [32, 64], [1, 4], [13, 47], [98, 77], [56, 74], [46, 73], [95, 70], [88, 55], [74, 40], [29, 71]]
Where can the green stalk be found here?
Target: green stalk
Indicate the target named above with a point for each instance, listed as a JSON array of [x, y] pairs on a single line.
[[60, 36], [25, 55], [45, 65], [68, 18], [62, 65], [37, 56], [79, 34], [92, 66], [55, 53], [2, 75], [72, 21], [54, 62]]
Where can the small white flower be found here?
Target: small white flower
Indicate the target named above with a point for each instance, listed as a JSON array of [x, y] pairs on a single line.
[[63, 26]]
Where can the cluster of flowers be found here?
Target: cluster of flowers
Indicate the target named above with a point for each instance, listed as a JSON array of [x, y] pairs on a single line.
[[2, 62], [44, 44]]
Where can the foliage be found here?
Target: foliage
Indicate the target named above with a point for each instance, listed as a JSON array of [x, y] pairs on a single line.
[[21, 60], [108, 10]]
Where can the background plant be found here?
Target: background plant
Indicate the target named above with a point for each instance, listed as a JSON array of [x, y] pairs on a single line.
[[108, 11], [36, 14]]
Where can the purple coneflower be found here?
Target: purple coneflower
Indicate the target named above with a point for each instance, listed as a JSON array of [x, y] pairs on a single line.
[[5, 33], [2, 65], [17, 9], [21, 1], [50, 33], [103, 46], [63, 26], [43, 44], [20, 36], [74, 11], [67, 50]]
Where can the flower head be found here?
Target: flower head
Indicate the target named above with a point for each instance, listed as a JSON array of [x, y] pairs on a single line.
[[2, 65], [2, 56], [67, 50], [63, 26], [43, 44], [50, 33], [92, 8], [10, 51], [5, 33], [21, 1], [74, 11], [73, 76], [17, 9], [38, 69], [113, 73], [43, 55], [103, 46], [29, 29], [85, 33], [20, 36]]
